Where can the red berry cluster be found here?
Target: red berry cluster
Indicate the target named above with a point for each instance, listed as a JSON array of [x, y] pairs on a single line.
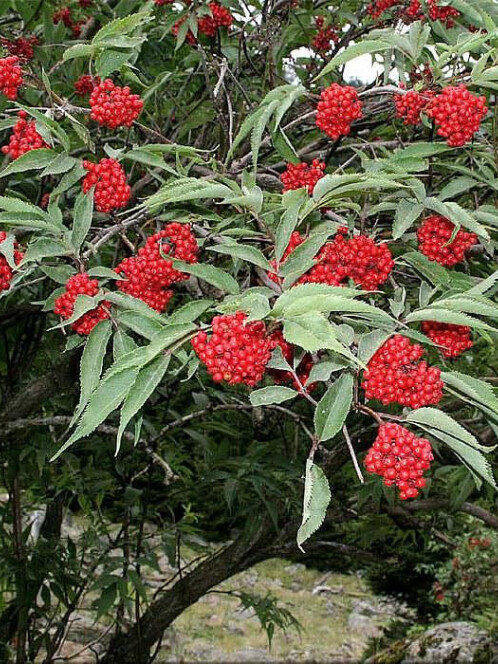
[[302, 370], [10, 76], [303, 175], [477, 542], [63, 16], [86, 84], [338, 107], [220, 18], [378, 7], [22, 47], [457, 114], [237, 351], [149, 274], [368, 264], [109, 179], [410, 105], [325, 36], [113, 106], [455, 339], [400, 458], [161, 3], [445, 14], [81, 284], [6, 273], [85, 3], [395, 374], [24, 137], [434, 241]]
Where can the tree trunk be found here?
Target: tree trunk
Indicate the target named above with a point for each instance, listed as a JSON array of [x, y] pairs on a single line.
[[134, 646]]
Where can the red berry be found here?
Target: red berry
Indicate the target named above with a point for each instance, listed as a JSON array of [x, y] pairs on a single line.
[[302, 175], [221, 17], [433, 241], [410, 105], [338, 107], [237, 351], [109, 179], [454, 339], [445, 14], [81, 284], [63, 15], [324, 37], [136, 284], [457, 114], [400, 458], [22, 47], [175, 241], [395, 374], [86, 84], [10, 76], [6, 272], [113, 106], [24, 137]]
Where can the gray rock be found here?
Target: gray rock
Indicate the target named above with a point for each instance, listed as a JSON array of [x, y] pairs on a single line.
[[363, 625], [452, 642], [297, 568], [448, 643]]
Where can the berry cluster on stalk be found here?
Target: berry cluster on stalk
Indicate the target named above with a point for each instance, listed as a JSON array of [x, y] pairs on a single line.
[[454, 339], [109, 179], [24, 137], [302, 175], [86, 84], [6, 272], [457, 114], [325, 36], [396, 374], [22, 47], [400, 458], [149, 274], [113, 106], [10, 76], [359, 258], [409, 106], [338, 108], [236, 351], [220, 18], [434, 237], [81, 284]]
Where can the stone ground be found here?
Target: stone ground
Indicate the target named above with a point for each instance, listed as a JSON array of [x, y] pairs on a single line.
[[337, 613]]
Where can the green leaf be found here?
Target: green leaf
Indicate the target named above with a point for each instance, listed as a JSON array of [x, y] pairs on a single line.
[[213, 275], [121, 26], [407, 213], [313, 333], [333, 408], [244, 252], [478, 391], [439, 422], [145, 384], [317, 498], [298, 261], [270, 395], [43, 248], [106, 398], [82, 218], [78, 51], [111, 60], [32, 160], [303, 292], [10, 204], [92, 361], [122, 344], [186, 189], [292, 202], [447, 316], [361, 48], [190, 311], [370, 343]]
